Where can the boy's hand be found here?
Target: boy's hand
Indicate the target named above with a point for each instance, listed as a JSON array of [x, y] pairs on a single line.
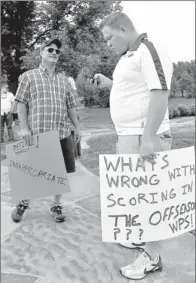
[[101, 81]]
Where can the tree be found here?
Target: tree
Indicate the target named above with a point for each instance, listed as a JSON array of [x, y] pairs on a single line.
[[17, 18], [76, 24], [185, 82], [175, 87]]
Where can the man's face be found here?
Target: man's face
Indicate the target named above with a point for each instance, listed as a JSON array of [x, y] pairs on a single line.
[[50, 54], [116, 39]]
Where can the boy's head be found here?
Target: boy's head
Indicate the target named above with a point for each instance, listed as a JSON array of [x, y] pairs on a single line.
[[119, 31], [4, 88]]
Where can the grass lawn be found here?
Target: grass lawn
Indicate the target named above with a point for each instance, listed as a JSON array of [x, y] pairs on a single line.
[[106, 144], [183, 136], [179, 100], [97, 118]]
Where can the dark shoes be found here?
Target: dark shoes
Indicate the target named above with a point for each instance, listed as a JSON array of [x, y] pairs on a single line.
[[19, 211], [56, 211]]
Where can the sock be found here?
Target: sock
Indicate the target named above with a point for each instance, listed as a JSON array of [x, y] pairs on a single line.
[[152, 253], [56, 203], [25, 202]]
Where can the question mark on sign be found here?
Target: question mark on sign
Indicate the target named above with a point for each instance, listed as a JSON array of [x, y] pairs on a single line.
[[129, 232], [116, 231], [141, 233]]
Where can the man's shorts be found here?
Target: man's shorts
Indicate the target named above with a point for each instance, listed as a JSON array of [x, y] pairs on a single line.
[[15, 116], [131, 144], [67, 146]]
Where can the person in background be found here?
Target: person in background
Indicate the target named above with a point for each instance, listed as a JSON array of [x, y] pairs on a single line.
[[139, 110], [7, 102], [45, 103]]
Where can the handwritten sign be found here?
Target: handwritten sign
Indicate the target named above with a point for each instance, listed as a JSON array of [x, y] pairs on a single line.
[[144, 203], [37, 170]]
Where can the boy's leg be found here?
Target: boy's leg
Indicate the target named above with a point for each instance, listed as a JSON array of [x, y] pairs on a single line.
[[2, 127], [67, 146], [9, 122], [129, 145], [145, 263]]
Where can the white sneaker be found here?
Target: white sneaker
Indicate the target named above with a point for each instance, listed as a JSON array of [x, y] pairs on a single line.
[[142, 266], [133, 245]]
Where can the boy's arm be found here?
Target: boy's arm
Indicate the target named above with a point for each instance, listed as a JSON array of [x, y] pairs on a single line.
[[159, 92]]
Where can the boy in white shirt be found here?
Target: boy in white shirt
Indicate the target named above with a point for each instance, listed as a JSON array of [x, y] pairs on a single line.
[[7, 100]]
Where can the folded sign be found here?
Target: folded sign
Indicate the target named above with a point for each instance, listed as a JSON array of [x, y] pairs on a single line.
[[144, 203], [37, 170]]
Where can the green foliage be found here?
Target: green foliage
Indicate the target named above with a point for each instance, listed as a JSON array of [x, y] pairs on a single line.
[[181, 111], [184, 79], [17, 18], [184, 110], [185, 82], [192, 110], [25, 24], [86, 91], [171, 112], [103, 97], [175, 87], [76, 24], [174, 112], [91, 95]]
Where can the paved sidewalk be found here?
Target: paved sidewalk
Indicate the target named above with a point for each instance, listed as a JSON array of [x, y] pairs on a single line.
[[41, 251]]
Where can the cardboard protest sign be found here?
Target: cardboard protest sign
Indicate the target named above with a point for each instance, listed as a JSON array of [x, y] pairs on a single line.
[[37, 170], [147, 203]]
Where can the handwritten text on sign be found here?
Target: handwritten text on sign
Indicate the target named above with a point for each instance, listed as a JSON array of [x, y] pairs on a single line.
[[37, 170], [147, 203]]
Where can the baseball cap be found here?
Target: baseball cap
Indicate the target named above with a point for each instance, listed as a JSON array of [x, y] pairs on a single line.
[[48, 42]]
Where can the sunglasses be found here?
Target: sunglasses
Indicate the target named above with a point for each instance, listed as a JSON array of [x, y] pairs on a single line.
[[51, 50]]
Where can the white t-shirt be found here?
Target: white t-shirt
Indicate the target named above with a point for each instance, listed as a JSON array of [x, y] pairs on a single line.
[[6, 102], [72, 82], [134, 77]]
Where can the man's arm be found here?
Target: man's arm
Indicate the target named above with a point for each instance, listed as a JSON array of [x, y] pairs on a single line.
[[22, 98], [22, 115], [73, 117], [71, 110], [156, 112], [72, 114]]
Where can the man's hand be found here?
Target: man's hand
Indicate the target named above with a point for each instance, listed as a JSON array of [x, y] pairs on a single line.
[[26, 135], [77, 135], [147, 151], [101, 81]]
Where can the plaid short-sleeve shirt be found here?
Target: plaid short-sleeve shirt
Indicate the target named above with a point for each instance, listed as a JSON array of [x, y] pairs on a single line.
[[47, 101]]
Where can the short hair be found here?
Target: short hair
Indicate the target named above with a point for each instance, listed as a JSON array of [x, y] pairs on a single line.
[[115, 20]]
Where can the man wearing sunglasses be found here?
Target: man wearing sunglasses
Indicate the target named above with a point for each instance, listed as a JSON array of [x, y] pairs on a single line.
[[45, 102]]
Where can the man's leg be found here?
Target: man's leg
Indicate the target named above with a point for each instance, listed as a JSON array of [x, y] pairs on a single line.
[[2, 127], [67, 146], [18, 212], [9, 122]]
